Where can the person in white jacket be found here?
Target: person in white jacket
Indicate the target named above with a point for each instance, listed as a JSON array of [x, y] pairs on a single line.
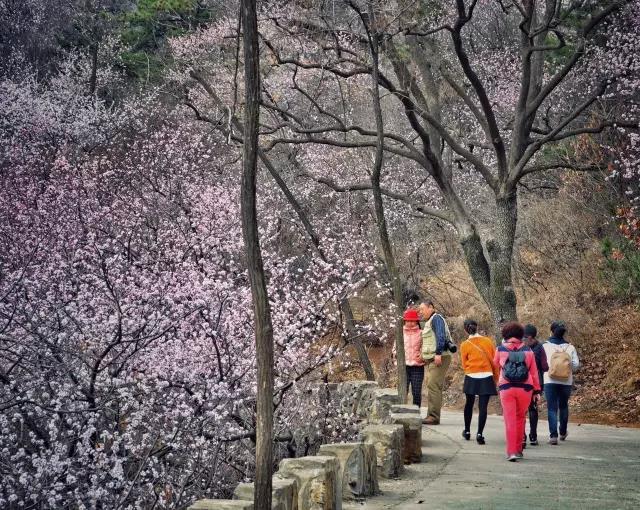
[[563, 360]]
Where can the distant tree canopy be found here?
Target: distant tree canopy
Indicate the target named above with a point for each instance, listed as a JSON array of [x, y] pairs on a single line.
[[146, 28]]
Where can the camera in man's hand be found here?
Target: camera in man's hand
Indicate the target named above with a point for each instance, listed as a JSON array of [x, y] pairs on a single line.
[[450, 346]]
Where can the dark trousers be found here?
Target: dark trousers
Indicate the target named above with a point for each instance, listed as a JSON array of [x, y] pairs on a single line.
[[533, 421], [483, 402], [415, 377], [557, 396]]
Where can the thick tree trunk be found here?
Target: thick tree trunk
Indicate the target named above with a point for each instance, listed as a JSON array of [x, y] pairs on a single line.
[[475, 258], [385, 242], [502, 296], [262, 319], [490, 263]]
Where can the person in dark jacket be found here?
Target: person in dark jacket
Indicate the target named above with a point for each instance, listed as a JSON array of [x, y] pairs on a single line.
[[530, 338]]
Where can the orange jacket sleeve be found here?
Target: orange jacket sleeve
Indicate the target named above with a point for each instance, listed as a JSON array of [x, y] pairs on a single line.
[[464, 356]]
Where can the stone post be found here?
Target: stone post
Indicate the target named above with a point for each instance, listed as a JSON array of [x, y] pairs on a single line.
[[412, 425], [357, 397], [284, 493], [388, 441], [383, 399], [354, 468], [319, 486]]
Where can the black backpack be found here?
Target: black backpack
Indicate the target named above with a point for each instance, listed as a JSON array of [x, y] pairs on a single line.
[[515, 369]]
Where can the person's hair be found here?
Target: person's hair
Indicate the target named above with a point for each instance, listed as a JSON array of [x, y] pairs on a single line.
[[512, 330], [427, 302], [558, 328], [530, 330], [471, 326], [411, 297]]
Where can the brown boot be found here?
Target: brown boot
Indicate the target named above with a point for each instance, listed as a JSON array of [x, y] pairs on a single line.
[[430, 420]]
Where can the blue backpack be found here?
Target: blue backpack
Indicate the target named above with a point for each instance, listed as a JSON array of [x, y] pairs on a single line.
[[515, 369]]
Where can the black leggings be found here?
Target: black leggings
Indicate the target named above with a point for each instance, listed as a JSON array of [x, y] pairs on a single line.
[[415, 376], [483, 402]]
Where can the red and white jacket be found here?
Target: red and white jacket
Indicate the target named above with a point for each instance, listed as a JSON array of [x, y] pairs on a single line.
[[413, 346], [500, 358]]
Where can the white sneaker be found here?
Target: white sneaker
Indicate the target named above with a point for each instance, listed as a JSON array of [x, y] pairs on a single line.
[[512, 458]]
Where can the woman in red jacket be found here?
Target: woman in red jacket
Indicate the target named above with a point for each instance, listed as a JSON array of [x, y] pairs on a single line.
[[413, 354], [518, 380]]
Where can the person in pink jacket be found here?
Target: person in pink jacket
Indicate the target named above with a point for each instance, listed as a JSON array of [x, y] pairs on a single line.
[[413, 354], [517, 383]]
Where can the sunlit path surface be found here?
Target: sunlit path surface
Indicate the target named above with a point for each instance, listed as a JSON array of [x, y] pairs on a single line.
[[597, 467]]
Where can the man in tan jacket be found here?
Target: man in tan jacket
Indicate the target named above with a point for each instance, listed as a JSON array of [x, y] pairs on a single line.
[[437, 357]]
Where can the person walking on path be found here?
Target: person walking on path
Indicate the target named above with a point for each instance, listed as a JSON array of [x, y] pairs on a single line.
[[413, 354], [480, 377], [530, 338], [563, 361], [518, 379], [436, 345]]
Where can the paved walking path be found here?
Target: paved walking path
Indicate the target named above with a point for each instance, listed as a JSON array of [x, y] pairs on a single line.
[[597, 467]]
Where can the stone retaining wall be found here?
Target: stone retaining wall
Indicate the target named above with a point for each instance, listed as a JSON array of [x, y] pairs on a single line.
[[390, 436]]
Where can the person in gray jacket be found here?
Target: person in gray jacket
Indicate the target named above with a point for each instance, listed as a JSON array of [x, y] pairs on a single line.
[[562, 358]]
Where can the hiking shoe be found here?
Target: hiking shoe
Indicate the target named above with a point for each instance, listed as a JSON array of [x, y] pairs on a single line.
[[533, 442], [480, 438], [520, 455], [553, 441], [430, 420], [563, 436], [512, 458], [466, 434]]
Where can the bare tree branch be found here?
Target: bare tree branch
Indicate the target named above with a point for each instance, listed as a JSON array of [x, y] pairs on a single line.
[[456, 34], [366, 186], [595, 129], [559, 165], [454, 83], [537, 144]]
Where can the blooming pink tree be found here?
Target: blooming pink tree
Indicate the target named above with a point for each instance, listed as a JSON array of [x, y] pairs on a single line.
[[127, 372]]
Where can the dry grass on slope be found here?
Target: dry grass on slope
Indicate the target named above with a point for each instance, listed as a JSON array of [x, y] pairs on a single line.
[[608, 383]]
